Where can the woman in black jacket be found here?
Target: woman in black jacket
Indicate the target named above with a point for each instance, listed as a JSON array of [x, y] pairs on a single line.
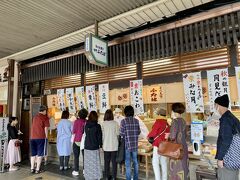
[[92, 146]]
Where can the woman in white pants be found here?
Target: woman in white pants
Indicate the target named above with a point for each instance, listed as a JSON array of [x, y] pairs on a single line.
[[157, 135]]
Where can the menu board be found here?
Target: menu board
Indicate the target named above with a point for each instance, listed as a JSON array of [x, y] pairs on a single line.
[[193, 92], [103, 97], [91, 98], [136, 91], [218, 85]]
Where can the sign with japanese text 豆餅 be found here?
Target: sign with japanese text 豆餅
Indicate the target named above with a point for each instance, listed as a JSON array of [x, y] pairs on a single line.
[[103, 90], [218, 85], [193, 92], [136, 92]]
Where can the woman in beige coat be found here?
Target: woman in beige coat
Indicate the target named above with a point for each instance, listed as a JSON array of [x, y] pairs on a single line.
[[110, 130]]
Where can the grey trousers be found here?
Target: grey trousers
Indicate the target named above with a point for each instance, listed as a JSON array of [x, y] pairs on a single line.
[[227, 174]]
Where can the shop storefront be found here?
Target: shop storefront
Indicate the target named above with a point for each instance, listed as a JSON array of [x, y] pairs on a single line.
[[149, 73]]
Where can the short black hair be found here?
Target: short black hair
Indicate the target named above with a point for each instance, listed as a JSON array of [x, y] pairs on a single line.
[[83, 113], [65, 115], [178, 108], [93, 116], [108, 116], [11, 119], [129, 111]]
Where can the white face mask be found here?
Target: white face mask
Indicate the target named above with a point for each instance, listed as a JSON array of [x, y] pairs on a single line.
[[173, 116], [216, 114]]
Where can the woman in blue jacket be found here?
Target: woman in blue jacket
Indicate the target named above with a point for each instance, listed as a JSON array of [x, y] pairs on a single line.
[[64, 134]]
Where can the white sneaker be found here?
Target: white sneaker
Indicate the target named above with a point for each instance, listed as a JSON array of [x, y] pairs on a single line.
[[13, 169], [75, 173]]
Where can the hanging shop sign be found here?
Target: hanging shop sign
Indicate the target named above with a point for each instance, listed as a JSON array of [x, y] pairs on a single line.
[[4, 140], [193, 92], [237, 72], [61, 99], [218, 85], [81, 103], [70, 100], [136, 91], [96, 50], [154, 94], [91, 98], [103, 97]]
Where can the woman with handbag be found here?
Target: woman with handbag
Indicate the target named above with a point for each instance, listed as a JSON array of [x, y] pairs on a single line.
[[13, 151], [178, 169], [110, 130], [157, 135]]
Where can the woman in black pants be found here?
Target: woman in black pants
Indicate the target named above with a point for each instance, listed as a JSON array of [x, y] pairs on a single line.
[[110, 130], [78, 130]]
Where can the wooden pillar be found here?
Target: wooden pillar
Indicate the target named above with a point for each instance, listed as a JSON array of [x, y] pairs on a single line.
[[10, 86]]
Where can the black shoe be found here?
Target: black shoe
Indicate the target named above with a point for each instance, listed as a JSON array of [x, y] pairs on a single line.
[[33, 171]]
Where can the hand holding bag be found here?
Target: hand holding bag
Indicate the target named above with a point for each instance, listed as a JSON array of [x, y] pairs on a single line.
[[121, 151], [171, 150]]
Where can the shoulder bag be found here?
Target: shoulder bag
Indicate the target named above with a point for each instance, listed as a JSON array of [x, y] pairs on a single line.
[[232, 158], [171, 149], [151, 139]]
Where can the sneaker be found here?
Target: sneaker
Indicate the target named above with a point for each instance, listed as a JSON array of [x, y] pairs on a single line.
[[75, 173], [32, 170], [13, 169], [61, 168]]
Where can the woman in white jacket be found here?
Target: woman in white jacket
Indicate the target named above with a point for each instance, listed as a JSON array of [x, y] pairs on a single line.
[[110, 130]]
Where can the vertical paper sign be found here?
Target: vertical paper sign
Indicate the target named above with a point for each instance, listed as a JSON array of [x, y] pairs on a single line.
[[218, 85], [137, 96], [70, 100], [237, 70], [61, 100], [193, 92], [91, 98], [80, 97], [4, 140], [103, 97]]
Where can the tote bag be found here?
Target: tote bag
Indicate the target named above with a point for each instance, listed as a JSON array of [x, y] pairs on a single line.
[[232, 159], [82, 141]]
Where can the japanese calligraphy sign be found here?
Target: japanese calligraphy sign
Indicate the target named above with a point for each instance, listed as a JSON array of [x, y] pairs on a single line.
[[80, 97], [193, 92], [3, 140], [237, 70], [91, 98], [52, 101], [155, 94], [218, 85], [3, 75], [136, 93], [70, 100], [122, 97], [103, 97], [61, 99]]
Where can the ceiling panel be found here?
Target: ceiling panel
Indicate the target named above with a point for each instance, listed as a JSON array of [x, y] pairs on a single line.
[[32, 28]]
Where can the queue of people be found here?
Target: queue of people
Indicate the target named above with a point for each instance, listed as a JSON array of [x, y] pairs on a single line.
[[87, 137]]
